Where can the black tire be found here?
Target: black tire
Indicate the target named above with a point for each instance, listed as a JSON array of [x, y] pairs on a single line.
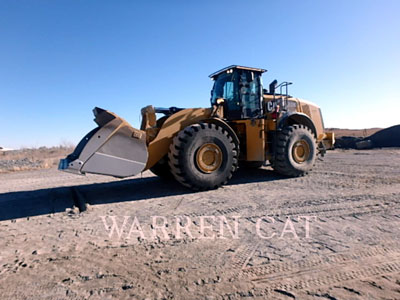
[[286, 161], [187, 152], [161, 169]]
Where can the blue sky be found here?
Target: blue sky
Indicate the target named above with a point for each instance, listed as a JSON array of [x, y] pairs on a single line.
[[59, 59]]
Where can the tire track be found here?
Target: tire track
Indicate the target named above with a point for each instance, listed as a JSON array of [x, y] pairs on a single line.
[[310, 274], [338, 277], [259, 273], [361, 204]]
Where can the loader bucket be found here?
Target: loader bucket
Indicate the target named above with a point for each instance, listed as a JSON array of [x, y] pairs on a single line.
[[113, 148]]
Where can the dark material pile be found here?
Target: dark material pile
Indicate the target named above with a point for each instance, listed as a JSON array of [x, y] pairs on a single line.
[[347, 142], [388, 137]]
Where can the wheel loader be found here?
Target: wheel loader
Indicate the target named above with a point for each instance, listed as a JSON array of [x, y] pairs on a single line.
[[246, 125]]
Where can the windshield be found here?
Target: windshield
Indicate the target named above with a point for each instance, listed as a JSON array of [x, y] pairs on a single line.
[[223, 88]]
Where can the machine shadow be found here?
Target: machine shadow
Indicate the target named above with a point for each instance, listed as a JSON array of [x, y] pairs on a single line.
[[24, 204]]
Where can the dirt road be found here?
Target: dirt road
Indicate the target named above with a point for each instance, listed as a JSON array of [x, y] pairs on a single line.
[[334, 234]]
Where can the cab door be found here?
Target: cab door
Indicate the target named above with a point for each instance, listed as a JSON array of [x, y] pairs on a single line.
[[250, 94]]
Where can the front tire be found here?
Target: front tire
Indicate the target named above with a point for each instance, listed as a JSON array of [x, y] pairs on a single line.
[[203, 156], [295, 151]]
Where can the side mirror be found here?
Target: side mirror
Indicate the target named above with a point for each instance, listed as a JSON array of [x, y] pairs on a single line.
[[220, 101]]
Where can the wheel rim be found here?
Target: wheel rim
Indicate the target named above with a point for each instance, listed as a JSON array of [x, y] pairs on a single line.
[[301, 151], [209, 158]]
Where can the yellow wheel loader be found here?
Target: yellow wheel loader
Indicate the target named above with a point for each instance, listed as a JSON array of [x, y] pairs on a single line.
[[246, 125]]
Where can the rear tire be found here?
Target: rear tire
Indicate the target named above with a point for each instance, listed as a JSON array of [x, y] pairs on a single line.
[[295, 151], [203, 156]]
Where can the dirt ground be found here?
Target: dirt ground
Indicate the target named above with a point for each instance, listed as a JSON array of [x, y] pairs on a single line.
[[333, 234]]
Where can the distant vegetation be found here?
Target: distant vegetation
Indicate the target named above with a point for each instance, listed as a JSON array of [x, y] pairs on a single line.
[[30, 159], [362, 133]]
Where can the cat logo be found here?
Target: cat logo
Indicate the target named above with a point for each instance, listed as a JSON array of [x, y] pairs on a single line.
[[271, 106]]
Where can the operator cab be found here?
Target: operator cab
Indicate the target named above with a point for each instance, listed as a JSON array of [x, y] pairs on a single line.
[[242, 92]]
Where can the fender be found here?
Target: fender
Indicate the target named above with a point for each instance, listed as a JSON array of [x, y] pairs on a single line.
[[297, 118], [224, 125], [159, 147]]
